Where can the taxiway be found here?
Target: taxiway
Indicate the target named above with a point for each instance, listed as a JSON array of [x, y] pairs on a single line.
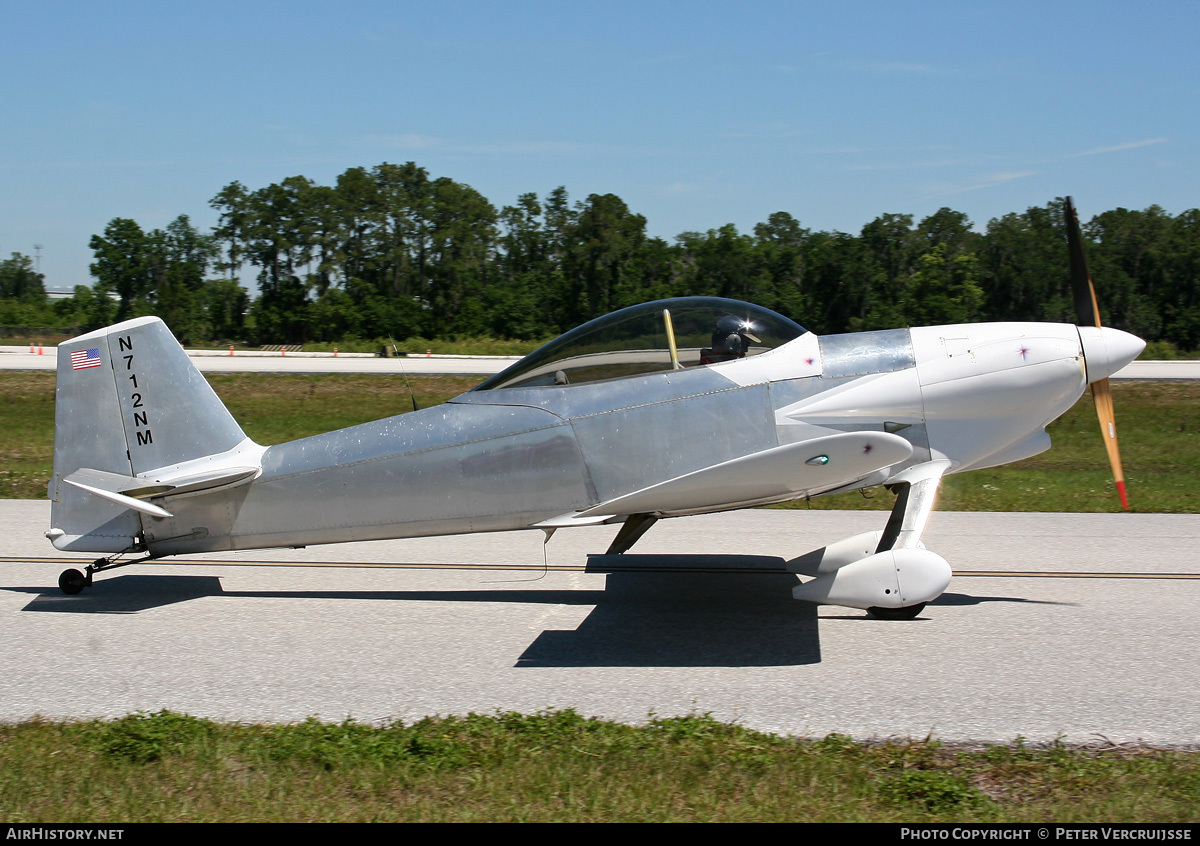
[[1080, 627]]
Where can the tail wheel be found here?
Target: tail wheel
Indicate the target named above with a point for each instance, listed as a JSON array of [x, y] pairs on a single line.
[[71, 582]]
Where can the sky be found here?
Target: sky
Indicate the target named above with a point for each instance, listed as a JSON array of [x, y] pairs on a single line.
[[697, 114]]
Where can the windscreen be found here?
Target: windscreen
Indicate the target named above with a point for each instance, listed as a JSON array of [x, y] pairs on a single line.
[[638, 339]]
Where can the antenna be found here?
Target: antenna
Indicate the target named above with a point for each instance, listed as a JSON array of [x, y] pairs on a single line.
[[37, 258], [411, 395]]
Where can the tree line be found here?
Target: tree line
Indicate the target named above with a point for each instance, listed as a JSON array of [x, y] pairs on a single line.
[[389, 252]]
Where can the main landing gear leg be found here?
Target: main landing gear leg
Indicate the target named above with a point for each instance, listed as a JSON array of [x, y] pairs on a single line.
[[632, 529], [915, 492]]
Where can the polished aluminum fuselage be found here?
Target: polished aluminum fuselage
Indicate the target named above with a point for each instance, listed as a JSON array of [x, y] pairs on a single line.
[[162, 467], [486, 461], [512, 458]]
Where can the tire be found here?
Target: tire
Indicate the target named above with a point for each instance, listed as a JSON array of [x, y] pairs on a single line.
[[71, 582], [908, 613]]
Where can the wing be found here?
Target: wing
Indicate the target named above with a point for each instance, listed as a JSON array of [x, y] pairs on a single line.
[[772, 475]]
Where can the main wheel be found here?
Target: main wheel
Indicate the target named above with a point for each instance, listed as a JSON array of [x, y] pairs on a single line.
[[908, 613], [71, 582]]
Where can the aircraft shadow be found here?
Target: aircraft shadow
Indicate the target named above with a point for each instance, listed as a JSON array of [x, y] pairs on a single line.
[[968, 599], [131, 594], [123, 594], [687, 620], [639, 619]]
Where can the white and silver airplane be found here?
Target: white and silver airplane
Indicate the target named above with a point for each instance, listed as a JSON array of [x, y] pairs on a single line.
[[676, 407]]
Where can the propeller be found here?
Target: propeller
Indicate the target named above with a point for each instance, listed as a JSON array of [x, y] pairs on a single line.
[[1087, 313]]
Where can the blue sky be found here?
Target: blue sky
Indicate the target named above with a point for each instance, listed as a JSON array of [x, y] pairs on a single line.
[[697, 114]]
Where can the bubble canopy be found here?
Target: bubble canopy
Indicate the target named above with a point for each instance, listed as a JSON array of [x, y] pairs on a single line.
[[637, 340]]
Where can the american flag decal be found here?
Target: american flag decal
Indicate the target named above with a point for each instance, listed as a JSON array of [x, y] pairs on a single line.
[[83, 359]]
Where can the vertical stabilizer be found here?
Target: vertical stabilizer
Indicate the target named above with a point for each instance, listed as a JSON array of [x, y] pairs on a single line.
[[128, 401]]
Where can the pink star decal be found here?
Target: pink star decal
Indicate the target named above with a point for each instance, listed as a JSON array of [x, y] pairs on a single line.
[[808, 361], [867, 448], [1024, 353]]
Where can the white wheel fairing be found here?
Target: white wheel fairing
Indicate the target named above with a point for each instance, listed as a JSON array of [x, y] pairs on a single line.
[[895, 578]]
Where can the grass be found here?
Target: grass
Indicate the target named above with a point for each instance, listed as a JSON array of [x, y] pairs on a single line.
[[559, 766], [1159, 425], [410, 346], [438, 346], [26, 434]]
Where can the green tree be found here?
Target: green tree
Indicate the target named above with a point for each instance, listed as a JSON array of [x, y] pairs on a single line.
[[86, 308], [274, 230], [521, 297], [19, 281], [782, 245], [943, 291], [890, 248], [233, 202], [600, 264], [462, 238], [1024, 267], [1129, 260], [949, 229], [122, 266], [384, 257], [723, 263], [1180, 302], [177, 260], [560, 218], [225, 305]]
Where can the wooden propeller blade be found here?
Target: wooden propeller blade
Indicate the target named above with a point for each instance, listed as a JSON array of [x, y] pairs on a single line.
[[1087, 313], [1102, 395]]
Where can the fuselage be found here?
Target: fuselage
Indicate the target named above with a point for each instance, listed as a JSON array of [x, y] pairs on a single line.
[[511, 458]]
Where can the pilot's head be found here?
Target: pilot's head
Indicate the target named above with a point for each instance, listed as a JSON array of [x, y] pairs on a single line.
[[732, 336]]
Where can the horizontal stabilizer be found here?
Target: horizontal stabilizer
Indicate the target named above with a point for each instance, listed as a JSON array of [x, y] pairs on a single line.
[[775, 474], [110, 486], [132, 491]]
